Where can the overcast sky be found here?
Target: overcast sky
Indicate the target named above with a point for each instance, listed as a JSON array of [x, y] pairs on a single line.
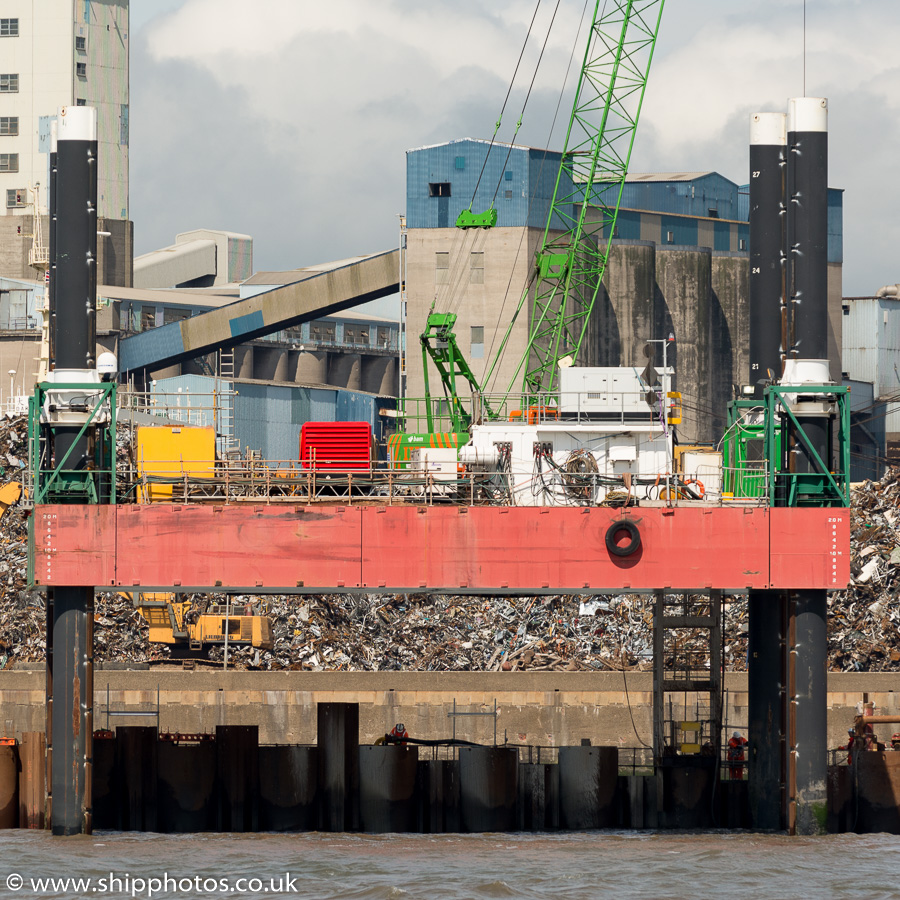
[[288, 119]]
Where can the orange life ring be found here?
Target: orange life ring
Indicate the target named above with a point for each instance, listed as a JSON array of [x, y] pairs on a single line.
[[700, 489]]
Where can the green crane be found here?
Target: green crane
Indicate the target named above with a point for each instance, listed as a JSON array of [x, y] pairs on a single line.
[[580, 227], [439, 343]]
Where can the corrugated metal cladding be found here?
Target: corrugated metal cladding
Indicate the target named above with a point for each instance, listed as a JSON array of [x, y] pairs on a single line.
[[871, 343], [687, 198], [441, 181], [744, 203], [722, 237], [186, 398], [868, 432], [157, 343], [263, 420], [240, 259], [678, 230], [268, 417], [20, 304], [835, 225]]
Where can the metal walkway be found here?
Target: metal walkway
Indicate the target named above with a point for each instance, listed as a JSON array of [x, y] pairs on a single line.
[[317, 292]]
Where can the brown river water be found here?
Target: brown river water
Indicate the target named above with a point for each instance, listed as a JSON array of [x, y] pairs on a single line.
[[377, 867]]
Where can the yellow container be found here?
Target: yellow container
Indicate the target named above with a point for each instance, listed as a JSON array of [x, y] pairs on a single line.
[[171, 453]]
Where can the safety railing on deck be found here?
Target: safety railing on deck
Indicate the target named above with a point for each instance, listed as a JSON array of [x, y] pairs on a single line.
[[425, 480], [275, 481]]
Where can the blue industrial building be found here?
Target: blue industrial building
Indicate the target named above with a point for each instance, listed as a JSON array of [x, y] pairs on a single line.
[[672, 208]]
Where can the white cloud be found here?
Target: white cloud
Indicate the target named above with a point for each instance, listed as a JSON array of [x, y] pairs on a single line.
[[292, 116]]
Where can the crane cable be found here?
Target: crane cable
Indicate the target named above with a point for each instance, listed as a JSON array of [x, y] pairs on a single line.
[[452, 295], [530, 279], [506, 100], [525, 103]]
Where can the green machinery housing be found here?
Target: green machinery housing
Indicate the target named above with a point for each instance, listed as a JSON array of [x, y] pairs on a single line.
[[762, 440]]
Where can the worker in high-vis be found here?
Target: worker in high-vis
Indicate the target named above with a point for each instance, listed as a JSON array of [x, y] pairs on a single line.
[[399, 732], [736, 756]]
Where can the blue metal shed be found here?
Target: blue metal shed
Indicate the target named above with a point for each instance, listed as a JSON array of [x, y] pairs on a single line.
[[268, 417], [444, 179]]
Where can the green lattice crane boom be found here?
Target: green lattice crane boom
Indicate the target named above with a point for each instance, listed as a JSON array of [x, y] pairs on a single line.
[[440, 345]]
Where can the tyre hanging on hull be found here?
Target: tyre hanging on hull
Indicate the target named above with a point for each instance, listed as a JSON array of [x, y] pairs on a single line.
[[613, 533]]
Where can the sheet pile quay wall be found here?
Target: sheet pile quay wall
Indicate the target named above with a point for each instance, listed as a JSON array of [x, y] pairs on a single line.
[[544, 709]]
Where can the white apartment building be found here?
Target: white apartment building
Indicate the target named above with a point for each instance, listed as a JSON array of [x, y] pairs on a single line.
[[57, 53]]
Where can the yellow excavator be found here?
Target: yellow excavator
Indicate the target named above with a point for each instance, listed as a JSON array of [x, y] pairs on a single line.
[[189, 628], [163, 455]]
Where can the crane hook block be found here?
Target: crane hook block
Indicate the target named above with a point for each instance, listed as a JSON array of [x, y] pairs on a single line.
[[468, 219]]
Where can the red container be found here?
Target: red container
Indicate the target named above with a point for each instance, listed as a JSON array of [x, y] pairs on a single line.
[[336, 445]]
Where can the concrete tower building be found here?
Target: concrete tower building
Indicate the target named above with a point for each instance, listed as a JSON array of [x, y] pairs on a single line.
[[56, 53]]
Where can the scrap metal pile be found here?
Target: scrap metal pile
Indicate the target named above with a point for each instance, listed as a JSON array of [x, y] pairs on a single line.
[[864, 620], [427, 632]]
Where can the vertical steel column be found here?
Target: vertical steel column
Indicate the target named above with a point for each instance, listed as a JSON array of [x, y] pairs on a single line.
[[659, 674], [767, 223], [807, 714], [766, 708], [659, 696], [71, 735], [51, 306], [74, 285], [807, 242], [716, 675], [807, 225], [51, 287], [807, 181]]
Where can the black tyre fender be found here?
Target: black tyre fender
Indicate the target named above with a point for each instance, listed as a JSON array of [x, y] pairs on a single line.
[[634, 543]]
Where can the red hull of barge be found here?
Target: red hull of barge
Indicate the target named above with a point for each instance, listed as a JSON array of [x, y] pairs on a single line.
[[277, 549]]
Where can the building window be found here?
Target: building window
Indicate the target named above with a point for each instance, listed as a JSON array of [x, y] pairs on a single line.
[[439, 189], [476, 346], [9, 162], [81, 44], [172, 314], [9, 27], [383, 336], [507, 175], [476, 268], [507, 195], [81, 69], [9, 125], [670, 237], [81, 102], [442, 268], [615, 231], [713, 213], [460, 162], [16, 197], [742, 244], [9, 84], [356, 334], [323, 332], [148, 317]]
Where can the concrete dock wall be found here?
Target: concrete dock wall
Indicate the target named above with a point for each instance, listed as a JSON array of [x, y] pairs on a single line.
[[541, 708]]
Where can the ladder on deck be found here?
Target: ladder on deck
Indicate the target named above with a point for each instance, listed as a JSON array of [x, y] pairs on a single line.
[[228, 444], [687, 676]]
